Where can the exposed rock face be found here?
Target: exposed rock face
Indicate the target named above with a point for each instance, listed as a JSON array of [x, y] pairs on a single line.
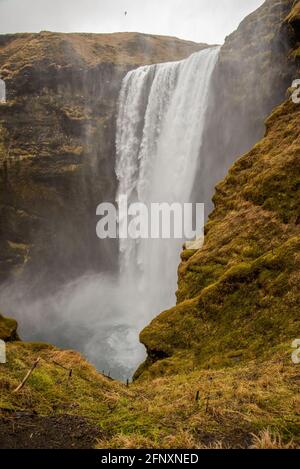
[[250, 79], [238, 296], [8, 329], [57, 133]]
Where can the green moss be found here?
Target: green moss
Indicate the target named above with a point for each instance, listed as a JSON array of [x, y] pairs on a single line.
[[8, 329], [186, 254], [41, 381], [49, 388]]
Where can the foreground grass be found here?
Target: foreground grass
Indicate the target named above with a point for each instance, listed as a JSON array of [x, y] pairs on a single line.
[[249, 405], [50, 390]]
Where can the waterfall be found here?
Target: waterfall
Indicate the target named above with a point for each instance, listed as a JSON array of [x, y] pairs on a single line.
[[160, 125], [162, 109]]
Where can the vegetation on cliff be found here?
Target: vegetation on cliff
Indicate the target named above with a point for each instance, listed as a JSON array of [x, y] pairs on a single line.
[[8, 329]]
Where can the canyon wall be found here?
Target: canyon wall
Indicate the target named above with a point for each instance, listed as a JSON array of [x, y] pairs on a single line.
[[57, 145], [250, 79]]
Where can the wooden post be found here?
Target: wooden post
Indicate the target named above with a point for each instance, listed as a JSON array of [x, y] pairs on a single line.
[[208, 395], [61, 366], [27, 376], [69, 376], [197, 396], [207, 403]]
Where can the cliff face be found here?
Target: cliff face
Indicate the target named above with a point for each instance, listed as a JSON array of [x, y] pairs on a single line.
[[57, 133], [238, 296], [251, 78]]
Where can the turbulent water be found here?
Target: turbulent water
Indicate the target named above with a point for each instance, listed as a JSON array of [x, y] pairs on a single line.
[[160, 125]]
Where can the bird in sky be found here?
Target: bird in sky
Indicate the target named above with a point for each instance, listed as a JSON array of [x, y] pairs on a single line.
[[125, 13]]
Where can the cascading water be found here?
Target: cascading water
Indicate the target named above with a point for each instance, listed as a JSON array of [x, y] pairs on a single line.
[[162, 110], [160, 127]]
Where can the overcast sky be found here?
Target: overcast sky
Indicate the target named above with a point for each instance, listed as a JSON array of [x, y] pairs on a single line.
[[199, 20]]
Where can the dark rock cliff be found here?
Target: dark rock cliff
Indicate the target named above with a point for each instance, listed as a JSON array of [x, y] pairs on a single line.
[[252, 75], [57, 133]]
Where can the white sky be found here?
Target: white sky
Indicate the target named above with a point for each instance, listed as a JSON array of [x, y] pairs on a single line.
[[198, 20]]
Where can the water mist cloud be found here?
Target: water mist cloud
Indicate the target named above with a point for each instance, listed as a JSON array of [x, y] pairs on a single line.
[[95, 314]]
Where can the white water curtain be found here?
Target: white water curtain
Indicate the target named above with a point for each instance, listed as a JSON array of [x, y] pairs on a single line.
[[162, 111]]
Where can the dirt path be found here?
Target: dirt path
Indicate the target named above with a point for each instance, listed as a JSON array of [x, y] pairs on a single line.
[[21, 430]]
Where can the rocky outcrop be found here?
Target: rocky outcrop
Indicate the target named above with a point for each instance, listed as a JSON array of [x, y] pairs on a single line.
[[8, 329], [238, 296], [57, 133]]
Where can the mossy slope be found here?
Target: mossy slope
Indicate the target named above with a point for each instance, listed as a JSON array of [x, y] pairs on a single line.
[[50, 390], [247, 405], [8, 329]]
